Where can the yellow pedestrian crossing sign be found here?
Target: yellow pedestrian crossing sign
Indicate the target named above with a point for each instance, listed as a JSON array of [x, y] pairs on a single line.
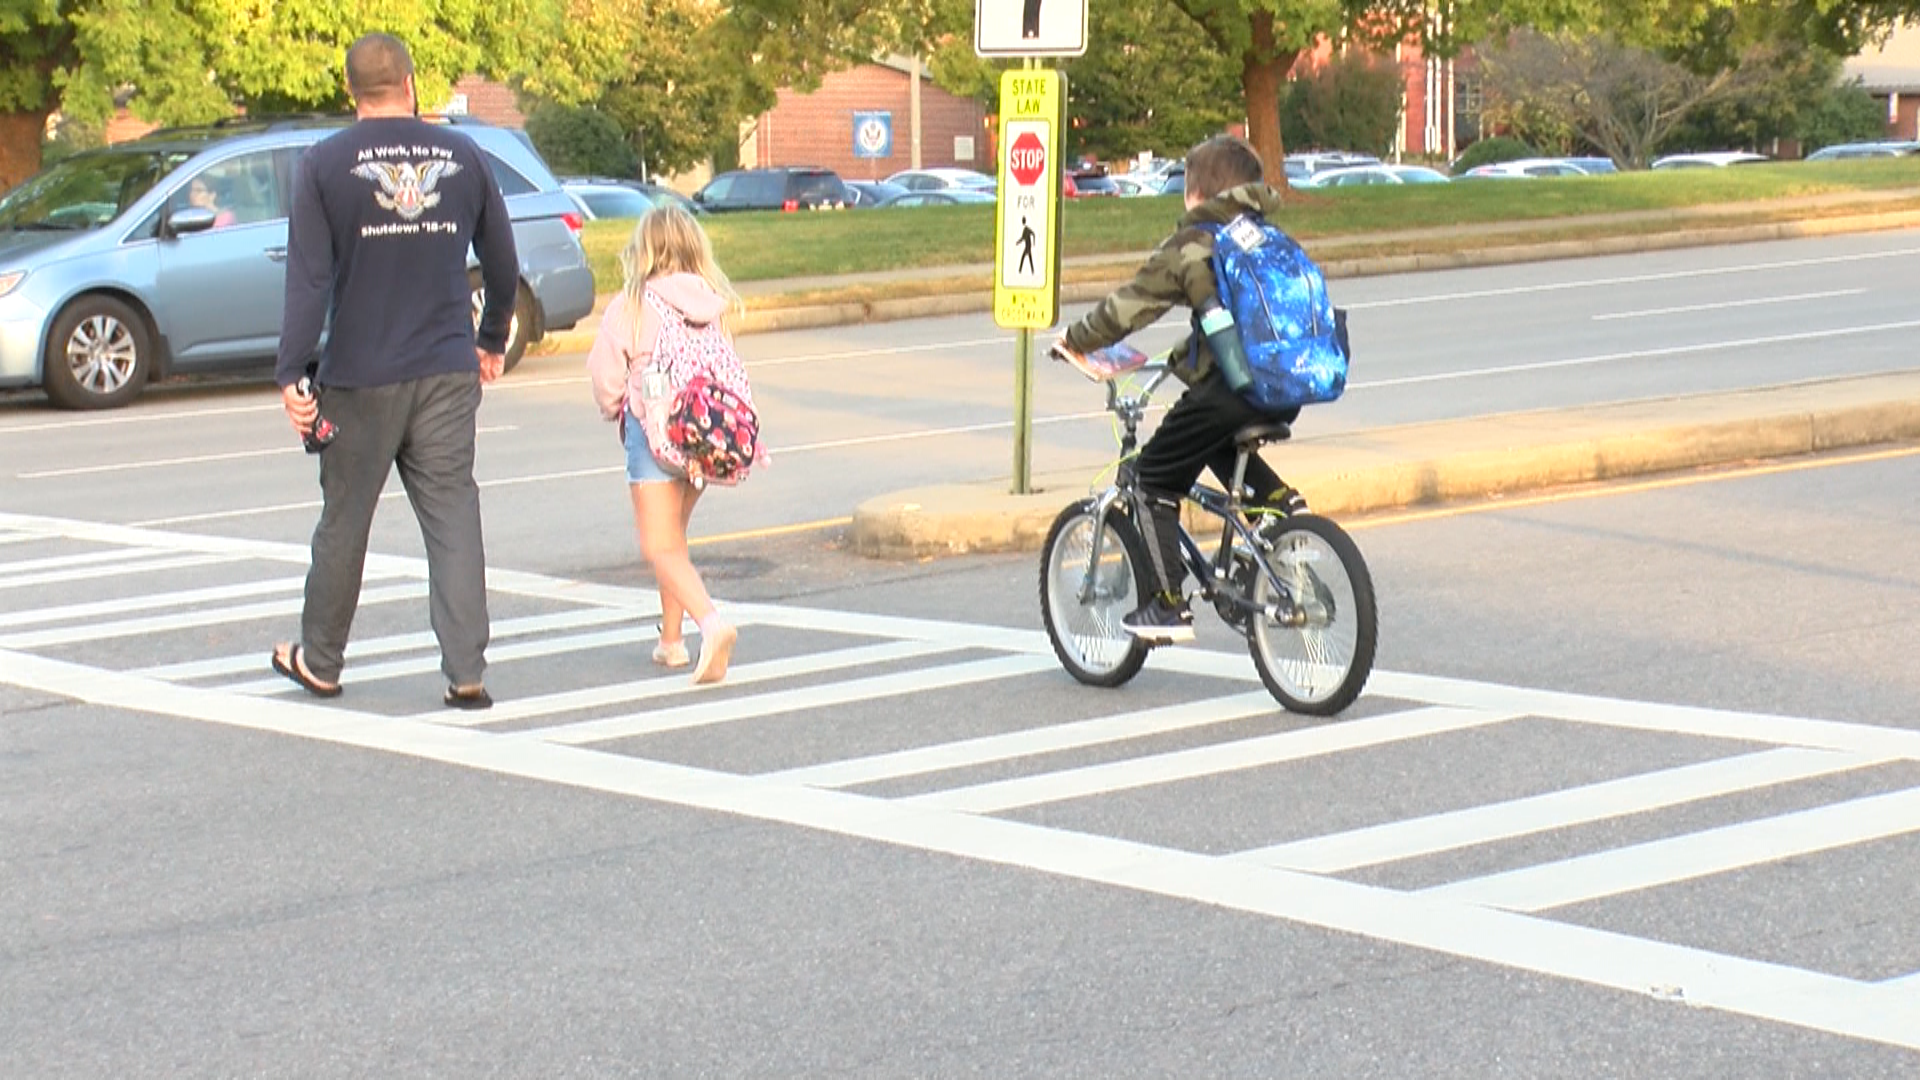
[[1026, 280]]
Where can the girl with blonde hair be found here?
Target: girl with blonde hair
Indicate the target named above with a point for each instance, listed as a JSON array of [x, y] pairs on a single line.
[[670, 275]]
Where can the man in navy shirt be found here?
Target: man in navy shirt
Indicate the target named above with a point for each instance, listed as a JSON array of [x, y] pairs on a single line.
[[384, 214]]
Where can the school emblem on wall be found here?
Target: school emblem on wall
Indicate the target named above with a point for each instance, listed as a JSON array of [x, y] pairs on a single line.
[[406, 189]]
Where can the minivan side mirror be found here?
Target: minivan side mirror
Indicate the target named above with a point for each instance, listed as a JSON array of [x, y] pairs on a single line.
[[191, 219]]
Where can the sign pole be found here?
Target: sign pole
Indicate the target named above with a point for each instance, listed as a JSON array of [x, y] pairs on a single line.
[[1023, 395]]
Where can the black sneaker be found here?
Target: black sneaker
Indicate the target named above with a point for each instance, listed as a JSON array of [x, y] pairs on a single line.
[[1161, 620]]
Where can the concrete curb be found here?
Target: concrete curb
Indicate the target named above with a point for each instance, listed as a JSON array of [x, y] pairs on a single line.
[[977, 297], [1392, 468]]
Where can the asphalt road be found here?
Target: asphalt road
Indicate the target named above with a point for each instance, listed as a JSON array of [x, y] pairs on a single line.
[[1633, 792]]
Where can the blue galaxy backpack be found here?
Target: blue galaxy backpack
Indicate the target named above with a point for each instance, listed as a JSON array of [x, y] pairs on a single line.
[[1294, 338]]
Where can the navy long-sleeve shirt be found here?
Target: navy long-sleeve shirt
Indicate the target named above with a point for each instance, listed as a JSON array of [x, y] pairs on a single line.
[[383, 216]]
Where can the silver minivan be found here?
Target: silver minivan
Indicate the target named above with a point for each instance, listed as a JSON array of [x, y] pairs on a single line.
[[167, 255]]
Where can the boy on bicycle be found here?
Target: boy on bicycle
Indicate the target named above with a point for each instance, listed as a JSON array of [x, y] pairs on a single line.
[[1224, 181]]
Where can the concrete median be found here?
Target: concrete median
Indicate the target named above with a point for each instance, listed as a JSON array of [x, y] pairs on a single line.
[[1427, 464]]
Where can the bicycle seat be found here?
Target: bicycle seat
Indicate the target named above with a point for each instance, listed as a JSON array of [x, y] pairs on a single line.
[[1259, 434]]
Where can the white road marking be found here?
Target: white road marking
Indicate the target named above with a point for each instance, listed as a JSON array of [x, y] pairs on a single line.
[[496, 654], [780, 702], [1683, 858], [148, 601], [1047, 739], [676, 684], [1630, 279], [1129, 773], [1758, 301], [40, 639], [1414, 837], [359, 651], [118, 569], [1827, 334], [118, 467], [87, 558], [1886, 1013]]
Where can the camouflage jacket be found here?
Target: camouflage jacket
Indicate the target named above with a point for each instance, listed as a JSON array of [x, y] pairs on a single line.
[[1179, 272]]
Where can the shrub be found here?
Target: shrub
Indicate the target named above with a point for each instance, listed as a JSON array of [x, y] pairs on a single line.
[[1492, 152], [1845, 113], [581, 141]]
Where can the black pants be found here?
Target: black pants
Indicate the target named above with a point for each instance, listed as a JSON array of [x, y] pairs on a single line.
[[1197, 433]]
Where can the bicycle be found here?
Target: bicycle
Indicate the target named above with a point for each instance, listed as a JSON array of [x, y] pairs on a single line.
[[1295, 585]]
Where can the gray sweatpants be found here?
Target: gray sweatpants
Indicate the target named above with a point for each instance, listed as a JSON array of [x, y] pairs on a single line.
[[426, 428]]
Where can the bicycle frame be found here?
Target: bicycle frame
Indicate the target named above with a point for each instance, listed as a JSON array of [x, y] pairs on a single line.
[[1226, 506]]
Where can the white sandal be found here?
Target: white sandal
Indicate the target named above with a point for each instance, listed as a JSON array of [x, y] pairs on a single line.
[[672, 654]]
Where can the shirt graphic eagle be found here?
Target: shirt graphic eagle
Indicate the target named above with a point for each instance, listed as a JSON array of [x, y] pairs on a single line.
[[406, 189]]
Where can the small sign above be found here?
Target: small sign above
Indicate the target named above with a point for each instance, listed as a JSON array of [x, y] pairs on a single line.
[[1030, 27]]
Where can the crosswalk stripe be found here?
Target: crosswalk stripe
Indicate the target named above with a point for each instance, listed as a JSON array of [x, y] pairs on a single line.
[[186, 620], [1413, 837], [676, 684], [1681, 858], [496, 654], [1045, 739], [788, 701], [149, 601], [357, 651], [118, 569], [1002, 795], [84, 558]]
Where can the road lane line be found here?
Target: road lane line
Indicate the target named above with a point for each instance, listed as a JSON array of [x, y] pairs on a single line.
[[359, 651], [676, 684], [1638, 354], [1125, 775], [89, 558], [496, 654], [1694, 855], [202, 459], [802, 699], [1629, 279], [40, 639], [148, 601], [1724, 304], [1642, 969], [1414, 837], [1046, 739]]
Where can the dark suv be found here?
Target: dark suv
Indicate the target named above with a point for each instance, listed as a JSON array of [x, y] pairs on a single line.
[[111, 275], [773, 189]]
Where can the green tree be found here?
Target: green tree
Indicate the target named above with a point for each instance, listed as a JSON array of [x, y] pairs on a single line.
[[1351, 103], [1150, 80], [576, 139], [190, 62], [1843, 112]]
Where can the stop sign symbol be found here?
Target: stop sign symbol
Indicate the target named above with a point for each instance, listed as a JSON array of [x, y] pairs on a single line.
[[1027, 159]]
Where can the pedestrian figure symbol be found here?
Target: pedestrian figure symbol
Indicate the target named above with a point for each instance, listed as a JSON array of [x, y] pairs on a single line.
[[1027, 237], [1030, 19]]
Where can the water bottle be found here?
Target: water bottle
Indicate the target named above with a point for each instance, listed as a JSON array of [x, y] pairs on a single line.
[[1223, 337]]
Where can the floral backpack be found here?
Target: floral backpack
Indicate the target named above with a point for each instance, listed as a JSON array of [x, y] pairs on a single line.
[[699, 418]]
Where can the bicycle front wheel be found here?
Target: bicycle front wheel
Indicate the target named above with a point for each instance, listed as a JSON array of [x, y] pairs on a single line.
[[1313, 639], [1086, 632]]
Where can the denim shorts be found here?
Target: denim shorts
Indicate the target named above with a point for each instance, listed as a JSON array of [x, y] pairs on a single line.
[[642, 468]]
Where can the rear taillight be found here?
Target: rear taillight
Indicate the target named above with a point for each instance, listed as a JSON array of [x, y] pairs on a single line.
[[790, 205], [574, 222]]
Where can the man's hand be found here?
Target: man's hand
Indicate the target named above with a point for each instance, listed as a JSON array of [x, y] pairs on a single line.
[[492, 365], [302, 409]]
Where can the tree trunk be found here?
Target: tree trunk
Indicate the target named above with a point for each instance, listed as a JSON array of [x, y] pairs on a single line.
[[1263, 72], [20, 135]]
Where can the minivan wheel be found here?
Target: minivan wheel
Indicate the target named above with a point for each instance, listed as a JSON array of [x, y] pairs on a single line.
[[99, 355], [519, 330]]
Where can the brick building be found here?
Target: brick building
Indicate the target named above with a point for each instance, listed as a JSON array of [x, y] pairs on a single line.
[[1890, 71], [818, 128]]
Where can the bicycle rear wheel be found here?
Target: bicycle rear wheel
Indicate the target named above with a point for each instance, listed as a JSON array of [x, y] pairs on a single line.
[[1087, 636], [1317, 660]]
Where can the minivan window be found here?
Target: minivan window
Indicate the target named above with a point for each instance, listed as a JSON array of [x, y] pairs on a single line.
[[510, 181], [721, 186], [759, 189], [818, 187], [86, 191]]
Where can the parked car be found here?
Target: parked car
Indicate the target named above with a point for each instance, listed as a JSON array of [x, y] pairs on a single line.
[[1846, 151], [871, 193], [1595, 166], [599, 201], [1717, 159], [1175, 182], [950, 197], [1094, 185], [1523, 169], [1131, 186], [1363, 175], [773, 189], [942, 179], [1304, 166], [109, 278]]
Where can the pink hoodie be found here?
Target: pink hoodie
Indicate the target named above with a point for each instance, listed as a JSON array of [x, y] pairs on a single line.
[[619, 355]]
